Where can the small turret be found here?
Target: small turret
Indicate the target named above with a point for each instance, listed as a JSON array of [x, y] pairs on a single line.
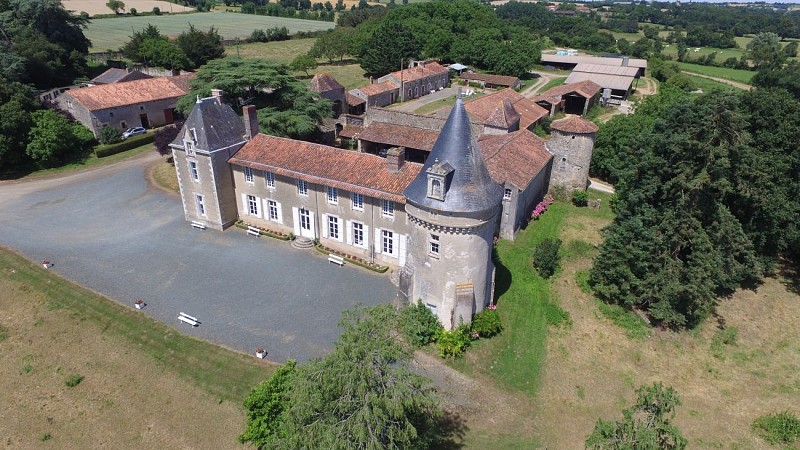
[[571, 143]]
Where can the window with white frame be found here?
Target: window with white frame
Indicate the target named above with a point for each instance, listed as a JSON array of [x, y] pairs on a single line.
[[387, 241], [358, 201], [193, 171], [333, 227], [270, 179], [507, 194], [333, 195], [387, 208], [248, 174], [252, 205], [201, 207], [434, 245], [302, 187], [358, 234], [272, 205], [189, 145]]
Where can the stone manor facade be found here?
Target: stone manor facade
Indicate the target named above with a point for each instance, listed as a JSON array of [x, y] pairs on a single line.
[[433, 223]]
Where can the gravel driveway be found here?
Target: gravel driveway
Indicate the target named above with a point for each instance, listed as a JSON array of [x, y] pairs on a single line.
[[108, 230]]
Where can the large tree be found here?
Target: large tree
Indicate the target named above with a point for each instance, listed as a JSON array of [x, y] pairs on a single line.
[[16, 105], [765, 50], [200, 47], [286, 107], [389, 47], [362, 396], [53, 138]]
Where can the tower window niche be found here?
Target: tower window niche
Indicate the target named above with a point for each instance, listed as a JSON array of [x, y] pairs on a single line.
[[438, 177]]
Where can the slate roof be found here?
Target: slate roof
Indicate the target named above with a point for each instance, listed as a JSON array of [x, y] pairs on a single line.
[[484, 107], [499, 80], [119, 76], [399, 135], [514, 157], [324, 82], [472, 192], [574, 124], [215, 124], [378, 88], [415, 73], [363, 173], [135, 92]]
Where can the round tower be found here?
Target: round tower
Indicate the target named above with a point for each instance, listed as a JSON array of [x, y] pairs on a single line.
[[571, 143], [452, 208]]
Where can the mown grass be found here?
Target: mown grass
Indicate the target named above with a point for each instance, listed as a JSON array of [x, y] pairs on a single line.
[[113, 33], [223, 373], [553, 83], [634, 326], [708, 85], [88, 161], [742, 76]]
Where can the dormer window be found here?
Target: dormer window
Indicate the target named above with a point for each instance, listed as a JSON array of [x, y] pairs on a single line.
[[189, 146], [438, 177]]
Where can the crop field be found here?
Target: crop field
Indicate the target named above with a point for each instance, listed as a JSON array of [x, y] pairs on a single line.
[[707, 85], [93, 7], [742, 76], [114, 32]]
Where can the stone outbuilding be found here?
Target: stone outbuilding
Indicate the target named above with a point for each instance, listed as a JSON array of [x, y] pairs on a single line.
[[119, 76], [571, 143], [328, 88], [573, 98]]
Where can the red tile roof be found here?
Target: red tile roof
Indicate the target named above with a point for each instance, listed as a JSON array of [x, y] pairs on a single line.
[[514, 157], [399, 135], [352, 100], [484, 107], [378, 88], [343, 169], [324, 82], [586, 89], [135, 92], [499, 80], [350, 131], [574, 124], [415, 73]]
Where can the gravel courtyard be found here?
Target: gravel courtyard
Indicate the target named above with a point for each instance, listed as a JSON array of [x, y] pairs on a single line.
[[108, 230]]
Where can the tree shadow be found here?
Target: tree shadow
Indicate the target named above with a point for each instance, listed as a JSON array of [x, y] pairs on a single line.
[[502, 276], [450, 429], [789, 275]]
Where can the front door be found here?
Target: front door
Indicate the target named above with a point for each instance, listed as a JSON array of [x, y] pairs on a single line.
[[145, 122], [306, 226], [168, 116]]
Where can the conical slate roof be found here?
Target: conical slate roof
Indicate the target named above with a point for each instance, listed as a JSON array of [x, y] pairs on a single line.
[[215, 125], [471, 191]]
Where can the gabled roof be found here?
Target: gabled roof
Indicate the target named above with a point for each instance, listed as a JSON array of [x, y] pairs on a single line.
[[426, 69], [378, 88], [564, 59], [484, 107], [586, 89], [119, 76], [399, 135], [135, 92], [624, 71], [324, 82], [505, 116], [352, 100], [500, 80], [472, 192], [616, 82], [574, 124], [215, 126], [515, 157], [351, 171]]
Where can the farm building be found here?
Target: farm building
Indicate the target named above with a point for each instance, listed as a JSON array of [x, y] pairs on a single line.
[[569, 62], [329, 88], [147, 103], [421, 78], [492, 81], [617, 80], [574, 98], [119, 76]]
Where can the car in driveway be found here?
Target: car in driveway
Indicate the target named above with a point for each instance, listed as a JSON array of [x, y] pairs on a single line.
[[133, 132]]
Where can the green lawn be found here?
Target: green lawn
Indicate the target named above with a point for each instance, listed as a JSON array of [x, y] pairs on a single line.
[[112, 33], [742, 76], [553, 83], [223, 373], [722, 53], [707, 85]]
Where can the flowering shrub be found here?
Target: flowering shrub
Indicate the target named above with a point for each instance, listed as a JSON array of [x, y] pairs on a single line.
[[541, 207]]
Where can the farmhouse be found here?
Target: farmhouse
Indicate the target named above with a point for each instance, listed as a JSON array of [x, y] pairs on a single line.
[[146, 103], [432, 222], [420, 78], [573, 98]]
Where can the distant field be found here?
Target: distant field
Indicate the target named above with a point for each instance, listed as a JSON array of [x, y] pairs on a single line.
[[722, 53], [707, 85], [114, 32], [94, 7], [742, 76]]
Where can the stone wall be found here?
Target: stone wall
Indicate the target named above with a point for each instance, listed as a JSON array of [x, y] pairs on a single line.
[[572, 154]]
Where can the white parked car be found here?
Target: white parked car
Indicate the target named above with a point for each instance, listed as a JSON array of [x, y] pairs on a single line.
[[133, 132]]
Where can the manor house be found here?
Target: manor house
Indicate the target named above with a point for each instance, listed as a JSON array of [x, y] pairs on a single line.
[[432, 220]]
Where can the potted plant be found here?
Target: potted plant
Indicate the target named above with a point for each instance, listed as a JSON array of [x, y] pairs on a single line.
[[139, 303], [261, 353]]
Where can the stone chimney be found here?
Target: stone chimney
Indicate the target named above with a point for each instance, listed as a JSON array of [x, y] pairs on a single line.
[[250, 121], [217, 94], [395, 158]]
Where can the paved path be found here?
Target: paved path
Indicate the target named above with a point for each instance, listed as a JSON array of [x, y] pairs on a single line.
[[106, 229], [600, 186]]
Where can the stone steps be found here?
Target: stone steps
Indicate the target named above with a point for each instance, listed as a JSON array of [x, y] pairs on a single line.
[[302, 243]]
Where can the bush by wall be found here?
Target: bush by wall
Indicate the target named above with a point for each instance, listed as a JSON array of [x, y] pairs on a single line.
[[132, 142], [453, 344], [419, 325], [487, 323]]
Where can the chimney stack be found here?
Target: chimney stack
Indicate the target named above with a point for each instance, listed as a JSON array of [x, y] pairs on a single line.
[[395, 158], [217, 94], [250, 121]]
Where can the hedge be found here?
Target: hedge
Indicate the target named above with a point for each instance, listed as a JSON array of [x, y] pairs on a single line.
[[132, 142]]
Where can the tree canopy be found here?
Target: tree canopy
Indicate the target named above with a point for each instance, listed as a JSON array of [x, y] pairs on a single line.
[[286, 107]]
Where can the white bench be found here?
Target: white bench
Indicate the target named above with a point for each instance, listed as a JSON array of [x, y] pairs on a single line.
[[253, 231], [335, 259], [183, 317], [198, 225]]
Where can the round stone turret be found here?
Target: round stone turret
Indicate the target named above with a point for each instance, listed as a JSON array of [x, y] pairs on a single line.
[[571, 143]]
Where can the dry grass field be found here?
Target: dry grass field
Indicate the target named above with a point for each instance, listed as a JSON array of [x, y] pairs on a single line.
[[144, 385], [93, 7]]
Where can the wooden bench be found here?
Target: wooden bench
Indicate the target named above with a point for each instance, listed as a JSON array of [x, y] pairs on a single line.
[[253, 231], [335, 259], [198, 225], [183, 317]]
